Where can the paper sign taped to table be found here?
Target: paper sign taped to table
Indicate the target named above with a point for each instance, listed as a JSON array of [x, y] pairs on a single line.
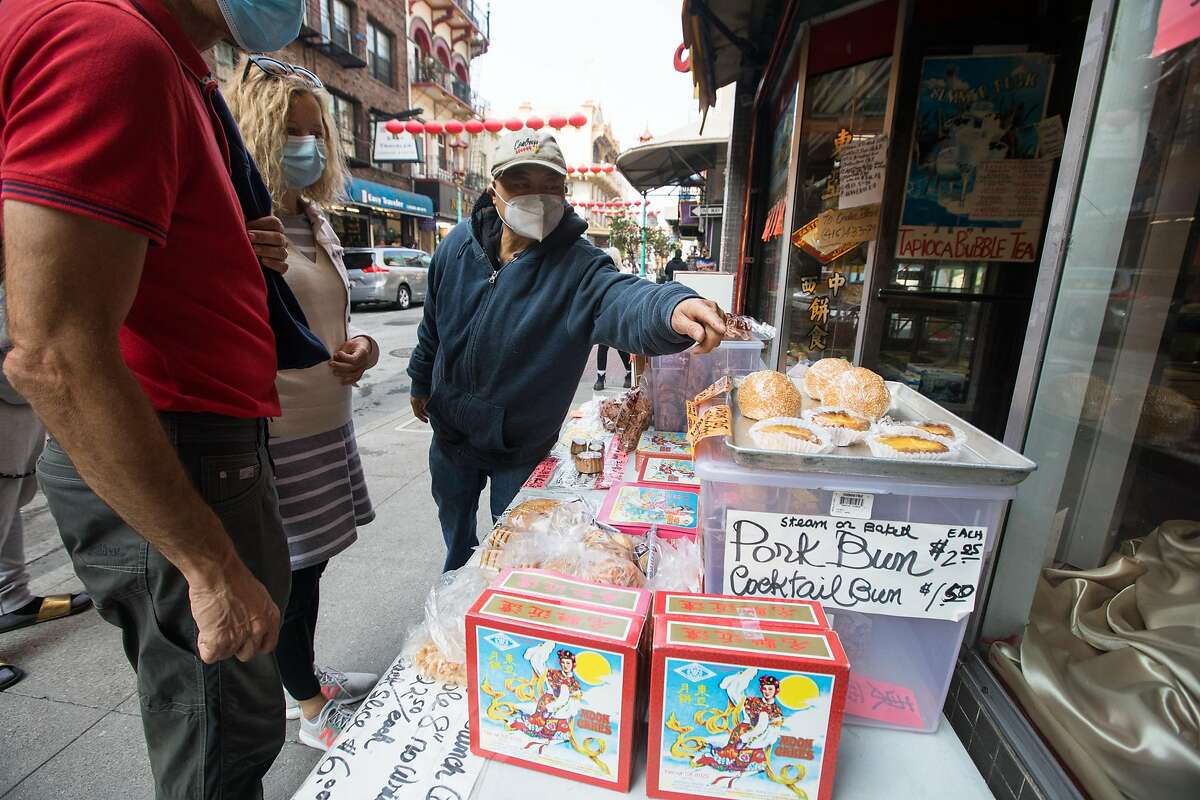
[[409, 738], [850, 226], [1010, 189], [722, 386], [541, 473], [862, 165], [902, 569], [1050, 137], [713, 422]]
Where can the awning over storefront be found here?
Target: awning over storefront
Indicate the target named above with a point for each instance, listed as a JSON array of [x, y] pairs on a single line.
[[721, 34], [388, 198], [680, 157]]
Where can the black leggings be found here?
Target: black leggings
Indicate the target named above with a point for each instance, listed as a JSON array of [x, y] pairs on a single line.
[[297, 634], [602, 358]]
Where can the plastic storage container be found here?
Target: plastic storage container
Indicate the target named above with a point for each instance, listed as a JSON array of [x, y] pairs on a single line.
[[671, 380], [914, 657]]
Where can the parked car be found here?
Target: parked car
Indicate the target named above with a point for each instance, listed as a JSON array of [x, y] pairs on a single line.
[[395, 276]]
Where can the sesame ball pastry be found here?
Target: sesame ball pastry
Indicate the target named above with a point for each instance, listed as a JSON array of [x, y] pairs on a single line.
[[820, 375], [861, 390], [767, 393]]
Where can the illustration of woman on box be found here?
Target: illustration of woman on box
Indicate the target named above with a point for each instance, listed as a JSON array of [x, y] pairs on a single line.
[[550, 722], [745, 751]]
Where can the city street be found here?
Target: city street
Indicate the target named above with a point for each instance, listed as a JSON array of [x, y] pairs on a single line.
[[71, 728]]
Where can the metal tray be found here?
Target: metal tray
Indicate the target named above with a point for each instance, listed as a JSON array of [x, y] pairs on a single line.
[[982, 460]]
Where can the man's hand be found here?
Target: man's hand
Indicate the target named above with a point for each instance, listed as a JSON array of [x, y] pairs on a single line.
[[235, 616], [351, 360], [700, 320], [270, 244], [420, 406]]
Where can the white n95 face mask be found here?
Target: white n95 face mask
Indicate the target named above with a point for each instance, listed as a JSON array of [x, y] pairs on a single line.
[[533, 216]]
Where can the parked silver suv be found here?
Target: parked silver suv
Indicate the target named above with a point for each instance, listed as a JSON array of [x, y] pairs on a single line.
[[396, 276]]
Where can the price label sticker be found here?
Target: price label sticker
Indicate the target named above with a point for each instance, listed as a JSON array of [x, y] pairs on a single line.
[[854, 505]]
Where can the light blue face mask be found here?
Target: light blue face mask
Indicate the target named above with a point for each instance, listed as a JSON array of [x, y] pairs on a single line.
[[303, 161], [261, 26]]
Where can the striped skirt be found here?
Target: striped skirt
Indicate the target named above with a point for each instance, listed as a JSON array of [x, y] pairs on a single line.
[[322, 494]]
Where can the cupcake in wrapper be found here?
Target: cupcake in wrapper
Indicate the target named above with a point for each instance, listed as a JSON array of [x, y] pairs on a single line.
[[941, 431], [790, 435], [844, 426]]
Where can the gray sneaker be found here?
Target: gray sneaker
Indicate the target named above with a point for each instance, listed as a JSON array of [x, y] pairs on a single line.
[[322, 732], [344, 687]]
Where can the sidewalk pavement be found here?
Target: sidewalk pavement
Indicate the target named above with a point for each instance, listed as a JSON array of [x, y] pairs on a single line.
[[71, 728]]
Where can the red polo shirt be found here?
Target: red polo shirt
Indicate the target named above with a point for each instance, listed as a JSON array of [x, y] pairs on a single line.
[[103, 114]]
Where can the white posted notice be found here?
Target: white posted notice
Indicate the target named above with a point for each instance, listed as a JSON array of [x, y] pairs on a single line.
[[409, 738], [902, 569]]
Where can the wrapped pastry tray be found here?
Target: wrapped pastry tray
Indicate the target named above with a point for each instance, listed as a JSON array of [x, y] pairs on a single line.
[[981, 461]]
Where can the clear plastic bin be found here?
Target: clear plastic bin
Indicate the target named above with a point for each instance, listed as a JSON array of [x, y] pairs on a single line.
[[672, 380], [916, 654]]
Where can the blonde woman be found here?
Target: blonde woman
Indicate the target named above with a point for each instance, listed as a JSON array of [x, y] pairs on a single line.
[[284, 115]]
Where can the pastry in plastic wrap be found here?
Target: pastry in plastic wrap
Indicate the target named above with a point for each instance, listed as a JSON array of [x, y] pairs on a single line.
[[589, 462], [820, 375], [861, 390], [790, 435], [526, 515], [627, 415], [435, 667], [767, 393], [602, 566]]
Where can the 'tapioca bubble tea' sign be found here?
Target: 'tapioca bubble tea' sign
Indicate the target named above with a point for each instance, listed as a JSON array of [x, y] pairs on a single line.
[[553, 685], [744, 710]]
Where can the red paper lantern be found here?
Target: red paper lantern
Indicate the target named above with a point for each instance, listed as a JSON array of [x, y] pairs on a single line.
[[596, 169], [535, 123], [473, 126], [454, 126], [394, 126], [608, 169], [514, 124], [433, 127], [493, 125], [570, 170], [412, 126], [558, 123], [577, 120]]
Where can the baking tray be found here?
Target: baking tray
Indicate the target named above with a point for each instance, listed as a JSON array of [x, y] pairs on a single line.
[[982, 461]]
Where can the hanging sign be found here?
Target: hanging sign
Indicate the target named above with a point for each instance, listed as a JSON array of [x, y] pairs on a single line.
[[862, 165], [1178, 24], [902, 569], [409, 738], [972, 110], [395, 147]]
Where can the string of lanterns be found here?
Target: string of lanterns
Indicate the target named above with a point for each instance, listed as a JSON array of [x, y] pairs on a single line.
[[476, 127]]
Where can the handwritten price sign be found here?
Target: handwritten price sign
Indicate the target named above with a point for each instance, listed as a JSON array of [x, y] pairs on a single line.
[[898, 568], [410, 738]]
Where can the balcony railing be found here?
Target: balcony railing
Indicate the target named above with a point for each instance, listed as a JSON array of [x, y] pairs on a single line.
[[480, 16], [430, 71]]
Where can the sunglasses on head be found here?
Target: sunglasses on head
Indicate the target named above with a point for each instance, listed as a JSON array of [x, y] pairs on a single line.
[[281, 69]]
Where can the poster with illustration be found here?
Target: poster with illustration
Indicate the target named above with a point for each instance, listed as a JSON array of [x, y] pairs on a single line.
[[634, 507], [668, 472], [745, 732], [976, 188], [554, 704]]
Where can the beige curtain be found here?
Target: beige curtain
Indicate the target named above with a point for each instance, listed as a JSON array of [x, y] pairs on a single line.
[[1109, 667]]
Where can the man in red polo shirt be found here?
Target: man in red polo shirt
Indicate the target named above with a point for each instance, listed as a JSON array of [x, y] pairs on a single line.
[[140, 335]]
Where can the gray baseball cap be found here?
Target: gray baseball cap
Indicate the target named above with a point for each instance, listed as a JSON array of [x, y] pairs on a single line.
[[529, 147]]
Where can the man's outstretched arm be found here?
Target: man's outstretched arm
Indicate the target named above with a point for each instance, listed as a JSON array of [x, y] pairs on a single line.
[[70, 282]]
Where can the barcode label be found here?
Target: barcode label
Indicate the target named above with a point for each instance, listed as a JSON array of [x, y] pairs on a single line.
[[852, 504]]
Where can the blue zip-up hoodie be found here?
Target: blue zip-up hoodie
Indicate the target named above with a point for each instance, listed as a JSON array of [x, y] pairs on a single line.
[[501, 348]]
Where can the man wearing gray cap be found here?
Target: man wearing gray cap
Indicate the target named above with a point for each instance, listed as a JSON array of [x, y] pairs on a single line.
[[516, 300]]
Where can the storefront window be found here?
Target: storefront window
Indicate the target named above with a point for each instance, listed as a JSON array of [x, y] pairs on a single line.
[[825, 283], [772, 209], [1108, 655]]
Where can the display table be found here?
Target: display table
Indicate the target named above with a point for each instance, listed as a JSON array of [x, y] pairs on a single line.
[[408, 740]]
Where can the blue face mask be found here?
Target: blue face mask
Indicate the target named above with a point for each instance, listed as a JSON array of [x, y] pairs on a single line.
[[303, 161], [261, 26]]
